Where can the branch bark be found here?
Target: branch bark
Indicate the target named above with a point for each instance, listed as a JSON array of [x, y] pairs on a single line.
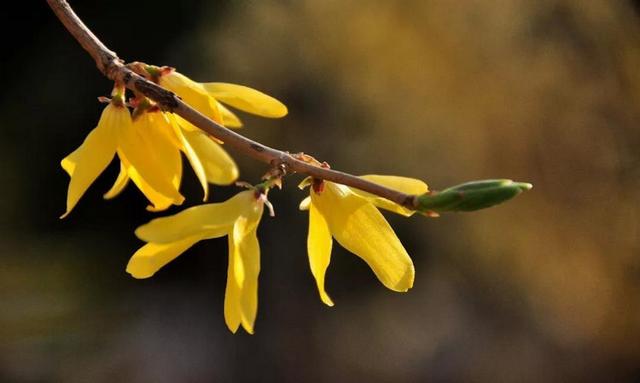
[[113, 68]]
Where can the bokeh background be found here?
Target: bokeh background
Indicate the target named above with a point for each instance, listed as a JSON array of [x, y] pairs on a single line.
[[544, 288]]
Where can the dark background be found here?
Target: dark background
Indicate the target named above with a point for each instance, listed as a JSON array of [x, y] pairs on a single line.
[[544, 288]]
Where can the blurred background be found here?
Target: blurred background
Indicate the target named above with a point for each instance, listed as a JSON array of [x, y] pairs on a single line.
[[544, 288]]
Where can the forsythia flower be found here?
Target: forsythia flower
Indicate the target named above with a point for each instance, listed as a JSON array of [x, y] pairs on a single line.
[[351, 217], [207, 97], [139, 152], [237, 218], [209, 161], [149, 150]]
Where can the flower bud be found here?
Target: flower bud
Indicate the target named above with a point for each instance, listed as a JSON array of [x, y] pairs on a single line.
[[470, 196]]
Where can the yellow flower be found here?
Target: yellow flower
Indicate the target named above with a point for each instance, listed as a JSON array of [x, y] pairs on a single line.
[[350, 216], [209, 161], [237, 218], [149, 147], [145, 152], [207, 98]]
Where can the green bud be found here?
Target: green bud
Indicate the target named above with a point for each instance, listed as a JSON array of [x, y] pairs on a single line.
[[471, 196], [153, 70]]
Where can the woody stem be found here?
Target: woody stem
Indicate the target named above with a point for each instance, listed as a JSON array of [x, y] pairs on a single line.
[[113, 68]]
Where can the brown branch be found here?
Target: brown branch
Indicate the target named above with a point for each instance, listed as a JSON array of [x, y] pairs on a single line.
[[112, 67]]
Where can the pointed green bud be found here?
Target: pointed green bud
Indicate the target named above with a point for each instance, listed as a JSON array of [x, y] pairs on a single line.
[[470, 196]]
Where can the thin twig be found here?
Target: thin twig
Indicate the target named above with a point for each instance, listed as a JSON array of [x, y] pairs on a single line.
[[112, 67]]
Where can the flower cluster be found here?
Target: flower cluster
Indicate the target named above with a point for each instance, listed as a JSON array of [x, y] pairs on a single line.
[[150, 144], [149, 141]]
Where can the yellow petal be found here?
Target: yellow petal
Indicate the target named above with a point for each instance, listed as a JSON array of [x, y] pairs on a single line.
[[121, 181], [169, 123], [304, 204], [305, 183], [232, 293], [86, 163], [152, 256], [245, 250], [229, 118], [219, 167], [246, 99], [159, 202], [159, 166], [160, 135], [192, 156], [250, 251], [184, 124], [192, 93], [319, 244], [403, 184], [69, 162], [360, 228], [155, 136], [248, 220], [211, 220], [241, 295]]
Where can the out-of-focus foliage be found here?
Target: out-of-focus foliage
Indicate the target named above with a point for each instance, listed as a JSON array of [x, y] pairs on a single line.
[[545, 288]]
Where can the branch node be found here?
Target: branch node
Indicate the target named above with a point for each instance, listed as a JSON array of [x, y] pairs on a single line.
[[167, 100]]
